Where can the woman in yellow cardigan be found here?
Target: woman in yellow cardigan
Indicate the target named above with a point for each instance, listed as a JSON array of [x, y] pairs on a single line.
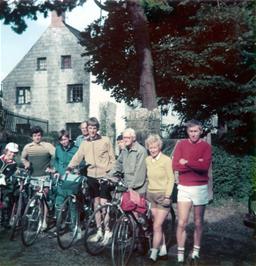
[[160, 185]]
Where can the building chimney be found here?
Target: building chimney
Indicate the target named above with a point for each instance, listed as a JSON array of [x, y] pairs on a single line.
[[57, 21]]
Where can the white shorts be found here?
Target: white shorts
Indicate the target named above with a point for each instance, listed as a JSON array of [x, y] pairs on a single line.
[[198, 195]]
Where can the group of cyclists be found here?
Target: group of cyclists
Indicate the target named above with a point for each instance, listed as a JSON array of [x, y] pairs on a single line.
[[147, 172]]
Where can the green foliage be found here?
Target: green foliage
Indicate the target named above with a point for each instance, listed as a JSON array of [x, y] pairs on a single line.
[[203, 59], [203, 52], [15, 13], [233, 176]]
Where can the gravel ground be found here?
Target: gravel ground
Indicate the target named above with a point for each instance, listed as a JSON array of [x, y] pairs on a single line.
[[226, 242]]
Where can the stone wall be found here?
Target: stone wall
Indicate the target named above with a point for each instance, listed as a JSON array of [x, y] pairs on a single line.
[[108, 120], [144, 122]]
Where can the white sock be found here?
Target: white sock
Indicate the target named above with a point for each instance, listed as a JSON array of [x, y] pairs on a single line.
[[153, 254], [195, 252], [180, 254], [162, 250]]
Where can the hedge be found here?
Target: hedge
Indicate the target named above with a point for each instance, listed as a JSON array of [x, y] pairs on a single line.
[[233, 176]]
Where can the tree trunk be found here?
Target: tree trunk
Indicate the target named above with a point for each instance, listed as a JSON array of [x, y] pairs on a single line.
[[142, 45]]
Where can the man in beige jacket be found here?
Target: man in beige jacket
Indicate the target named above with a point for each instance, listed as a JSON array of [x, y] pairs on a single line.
[[98, 153]]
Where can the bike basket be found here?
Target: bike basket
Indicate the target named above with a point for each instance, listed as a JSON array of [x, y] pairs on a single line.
[[71, 184]]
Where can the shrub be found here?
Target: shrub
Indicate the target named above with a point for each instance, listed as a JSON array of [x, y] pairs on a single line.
[[233, 176]]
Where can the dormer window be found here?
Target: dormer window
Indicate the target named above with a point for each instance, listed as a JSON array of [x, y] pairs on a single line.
[[65, 61]]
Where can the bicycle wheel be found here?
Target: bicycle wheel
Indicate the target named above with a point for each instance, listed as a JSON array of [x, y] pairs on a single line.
[[16, 216], [97, 238], [123, 240], [169, 227], [67, 223], [32, 220]]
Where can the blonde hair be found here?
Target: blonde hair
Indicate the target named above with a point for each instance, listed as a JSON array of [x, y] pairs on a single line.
[[152, 139]]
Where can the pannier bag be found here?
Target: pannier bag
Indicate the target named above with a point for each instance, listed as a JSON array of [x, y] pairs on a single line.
[[71, 184], [132, 201]]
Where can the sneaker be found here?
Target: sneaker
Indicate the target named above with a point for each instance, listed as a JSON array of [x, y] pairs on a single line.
[[79, 234], [44, 226], [32, 203], [98, 236], [107, 237]]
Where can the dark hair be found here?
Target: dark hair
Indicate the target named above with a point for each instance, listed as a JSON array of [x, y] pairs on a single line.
[[63, 133], [93, 121], [119, 137], [84, 122], [35, 130], [193, 122]]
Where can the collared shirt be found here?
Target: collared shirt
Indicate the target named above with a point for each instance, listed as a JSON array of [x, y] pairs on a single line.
[[156, 158], [132, 164], [98, 153], [80, 139], [160, 174]]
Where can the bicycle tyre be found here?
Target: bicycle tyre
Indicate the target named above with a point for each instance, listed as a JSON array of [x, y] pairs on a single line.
[[169, 227], [32, 220], [67, 223], [108, 216], [15, 216], [123, 240]]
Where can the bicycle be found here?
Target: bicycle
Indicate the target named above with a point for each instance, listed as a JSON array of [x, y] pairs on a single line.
[[107, 214], [36, 210], [2, 205], [6, 198], [21, 197], [131, 230], [75, 208]]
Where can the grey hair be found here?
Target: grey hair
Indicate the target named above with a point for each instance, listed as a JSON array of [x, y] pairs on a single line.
[[152, 139], [131, 132], [192, 123]]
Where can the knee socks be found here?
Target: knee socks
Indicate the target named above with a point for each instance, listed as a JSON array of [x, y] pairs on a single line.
[[162, 250], [153, 254], [195, 252], [180, 254]]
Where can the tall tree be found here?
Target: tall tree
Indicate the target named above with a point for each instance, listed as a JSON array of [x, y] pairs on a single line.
[[202, 55]]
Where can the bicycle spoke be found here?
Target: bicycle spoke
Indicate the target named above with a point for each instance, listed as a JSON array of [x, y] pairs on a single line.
[[32, 221], [98, 233], [67, 223]]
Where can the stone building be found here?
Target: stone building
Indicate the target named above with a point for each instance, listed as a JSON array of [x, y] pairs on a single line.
[[50, 81]]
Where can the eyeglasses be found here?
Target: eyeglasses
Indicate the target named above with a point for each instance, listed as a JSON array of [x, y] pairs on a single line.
[[127, 137]]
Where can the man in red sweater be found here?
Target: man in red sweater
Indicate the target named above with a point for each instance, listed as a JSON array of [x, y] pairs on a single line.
[[192, 159]]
